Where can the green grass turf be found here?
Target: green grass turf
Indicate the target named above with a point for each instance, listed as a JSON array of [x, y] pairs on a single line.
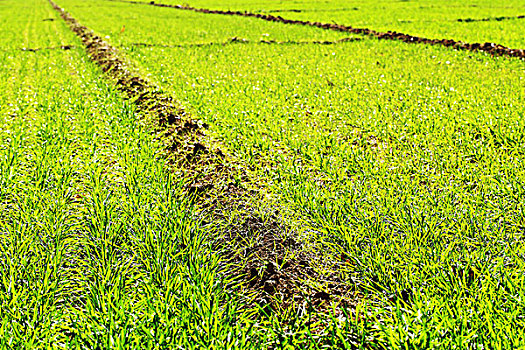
[[405, 159], [126, 24], [98, 248], [404, 162], [425, 18]]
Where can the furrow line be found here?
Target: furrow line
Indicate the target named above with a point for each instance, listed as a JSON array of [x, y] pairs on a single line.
[[146, 96], [237, 40], [491, 48], [489, 19], [274, 268]]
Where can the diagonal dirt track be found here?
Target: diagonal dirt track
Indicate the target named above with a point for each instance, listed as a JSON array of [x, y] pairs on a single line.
[[264, 265], [491, 48]]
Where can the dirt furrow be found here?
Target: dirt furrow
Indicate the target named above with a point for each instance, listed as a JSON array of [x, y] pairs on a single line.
[[489, 19], [271, 265], [491, 48], [238, 40]]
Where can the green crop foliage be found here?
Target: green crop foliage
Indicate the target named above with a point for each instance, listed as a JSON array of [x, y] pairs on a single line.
[[98, 247], [402, 163], [125, 25], [405, 159], [425, 18]]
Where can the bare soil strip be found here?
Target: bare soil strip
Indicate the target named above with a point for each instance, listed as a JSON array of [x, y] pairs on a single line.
[[237, 40], [314, 10], [491, 48], [489, 19], [270, 264]]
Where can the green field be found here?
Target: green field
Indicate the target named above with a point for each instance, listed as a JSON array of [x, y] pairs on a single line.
[[426, 18], [368, 193]]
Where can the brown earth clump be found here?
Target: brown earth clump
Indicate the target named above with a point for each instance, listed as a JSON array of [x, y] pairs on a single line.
[[282, 271]]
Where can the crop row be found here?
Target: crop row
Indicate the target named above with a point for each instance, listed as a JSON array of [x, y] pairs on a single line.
[[404, 161], [263, 277], [492, 48], [100, 246], [401, 164], [423, 18]]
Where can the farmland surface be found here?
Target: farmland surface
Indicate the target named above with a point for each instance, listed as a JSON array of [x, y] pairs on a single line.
[[316, 189], [499, 21]]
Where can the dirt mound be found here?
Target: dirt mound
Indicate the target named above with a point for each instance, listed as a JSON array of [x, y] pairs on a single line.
[[281, 271]]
